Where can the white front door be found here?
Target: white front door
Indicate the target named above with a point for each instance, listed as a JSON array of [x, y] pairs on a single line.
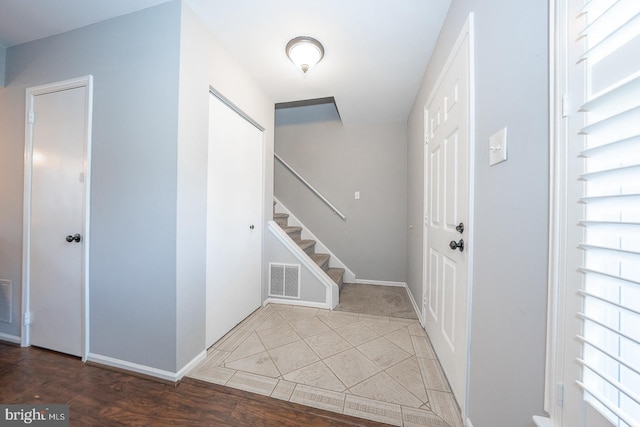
[[234, 220], [56, 196], [447, 227]]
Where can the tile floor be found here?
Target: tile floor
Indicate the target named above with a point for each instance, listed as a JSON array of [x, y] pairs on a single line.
[[374, 367]]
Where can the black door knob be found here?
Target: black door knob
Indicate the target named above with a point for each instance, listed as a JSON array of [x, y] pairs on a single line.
[[457, 245], [75, 238], [460, 228]]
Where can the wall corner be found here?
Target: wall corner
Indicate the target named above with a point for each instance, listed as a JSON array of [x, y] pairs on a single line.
[[3, 66]]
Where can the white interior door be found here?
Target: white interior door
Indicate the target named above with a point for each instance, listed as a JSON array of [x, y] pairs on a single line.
[[447, 191], [55, 243], [234, 220]]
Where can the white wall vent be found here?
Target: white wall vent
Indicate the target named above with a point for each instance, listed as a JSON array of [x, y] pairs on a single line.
[[6, 301], [284, 280]]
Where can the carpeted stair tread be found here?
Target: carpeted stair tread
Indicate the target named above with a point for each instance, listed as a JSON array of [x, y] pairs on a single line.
[[293, 232], [336, 275], [322, 260], [307, 246], [282, 219]]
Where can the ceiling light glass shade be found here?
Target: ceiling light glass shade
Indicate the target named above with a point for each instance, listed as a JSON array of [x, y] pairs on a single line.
[[305, 52]]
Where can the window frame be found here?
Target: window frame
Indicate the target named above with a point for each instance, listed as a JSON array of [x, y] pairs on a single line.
[[563, 399]]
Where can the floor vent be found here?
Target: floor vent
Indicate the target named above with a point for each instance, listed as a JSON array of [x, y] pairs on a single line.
[[284, 280], [6, 301]]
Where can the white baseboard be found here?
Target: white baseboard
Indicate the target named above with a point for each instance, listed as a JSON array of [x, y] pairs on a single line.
[[10, 338], [380, 283], [467, 423], [192, 364], [416, 307], [542, 421], [296, 302], [147, 370]]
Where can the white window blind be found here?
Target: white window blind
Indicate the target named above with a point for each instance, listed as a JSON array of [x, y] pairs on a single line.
[[610, 153]]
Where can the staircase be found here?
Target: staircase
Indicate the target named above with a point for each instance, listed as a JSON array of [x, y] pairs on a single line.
[[309, 247]]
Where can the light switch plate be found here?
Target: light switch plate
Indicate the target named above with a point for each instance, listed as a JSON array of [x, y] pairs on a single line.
[[498, 147]]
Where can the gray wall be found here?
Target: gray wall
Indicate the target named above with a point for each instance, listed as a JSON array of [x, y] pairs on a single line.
[[3, 65], [511, 203], [339, 160], [134, 61]]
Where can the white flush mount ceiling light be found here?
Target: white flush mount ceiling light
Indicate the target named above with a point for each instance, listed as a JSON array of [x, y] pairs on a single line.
[[305, 52]]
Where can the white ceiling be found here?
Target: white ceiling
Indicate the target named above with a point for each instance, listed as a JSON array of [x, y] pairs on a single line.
[[376, 51]]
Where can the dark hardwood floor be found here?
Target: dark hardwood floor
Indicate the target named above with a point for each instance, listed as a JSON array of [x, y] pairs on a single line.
[[102, 397]]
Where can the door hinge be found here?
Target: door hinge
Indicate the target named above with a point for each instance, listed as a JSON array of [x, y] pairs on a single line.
[[32, 117], [565, 105], [560, 391], [27, 318]]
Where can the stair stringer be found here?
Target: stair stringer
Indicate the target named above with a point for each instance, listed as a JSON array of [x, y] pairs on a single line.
[[314, 273], [334, 261]]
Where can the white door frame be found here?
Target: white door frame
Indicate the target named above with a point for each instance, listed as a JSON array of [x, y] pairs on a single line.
[[467, 31], [32, 92]]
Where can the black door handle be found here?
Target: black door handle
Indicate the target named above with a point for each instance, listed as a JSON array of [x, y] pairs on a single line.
[[75, 238], [457, 245]]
